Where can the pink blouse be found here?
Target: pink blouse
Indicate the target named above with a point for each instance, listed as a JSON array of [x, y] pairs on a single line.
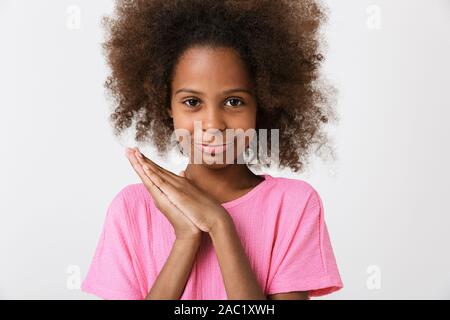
[[280, 222]]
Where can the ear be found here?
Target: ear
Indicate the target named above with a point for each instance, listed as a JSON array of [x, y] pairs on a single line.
[[169, 112]]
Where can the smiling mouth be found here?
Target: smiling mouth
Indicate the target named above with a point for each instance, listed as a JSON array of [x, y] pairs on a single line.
[[212, 149]]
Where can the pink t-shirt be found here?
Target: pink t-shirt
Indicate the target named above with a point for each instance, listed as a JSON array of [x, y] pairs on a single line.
[[280, 223]]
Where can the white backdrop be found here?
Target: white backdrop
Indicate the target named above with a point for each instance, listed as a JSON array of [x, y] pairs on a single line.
[[385, 197]]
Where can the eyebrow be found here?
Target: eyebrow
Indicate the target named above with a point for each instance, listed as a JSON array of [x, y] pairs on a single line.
[[224, 92]]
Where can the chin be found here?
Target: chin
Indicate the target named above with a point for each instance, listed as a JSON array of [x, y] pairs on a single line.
[[212, 162], [215, 166]]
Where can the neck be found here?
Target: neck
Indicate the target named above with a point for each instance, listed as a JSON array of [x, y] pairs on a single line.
[[215, 180]]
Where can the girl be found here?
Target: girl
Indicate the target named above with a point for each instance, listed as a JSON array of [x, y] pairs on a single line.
[[217, 230]]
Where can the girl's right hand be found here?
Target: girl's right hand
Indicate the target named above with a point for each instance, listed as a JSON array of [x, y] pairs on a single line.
[[183, 227]]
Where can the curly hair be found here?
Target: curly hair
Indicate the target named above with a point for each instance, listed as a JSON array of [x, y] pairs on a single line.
[[279, 41]]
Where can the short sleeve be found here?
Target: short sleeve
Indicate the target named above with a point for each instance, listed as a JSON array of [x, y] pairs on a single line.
[[304, 258], [112, 273]]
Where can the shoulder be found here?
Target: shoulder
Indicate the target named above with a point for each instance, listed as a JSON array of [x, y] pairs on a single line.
[[132, 193], [297, 190], [296, 197]]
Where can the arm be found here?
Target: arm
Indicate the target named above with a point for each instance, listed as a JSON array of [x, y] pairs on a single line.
[[171, 281], [239, 279], [297, 295]]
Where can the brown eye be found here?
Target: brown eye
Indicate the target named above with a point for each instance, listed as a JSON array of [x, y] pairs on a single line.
[[235, 102], [189, 104]]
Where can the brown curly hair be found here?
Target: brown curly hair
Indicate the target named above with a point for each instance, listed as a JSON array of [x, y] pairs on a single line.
[[278, 40]]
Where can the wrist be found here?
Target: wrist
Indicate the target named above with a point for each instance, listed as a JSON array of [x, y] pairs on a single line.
[[221, 224], [188, 241]]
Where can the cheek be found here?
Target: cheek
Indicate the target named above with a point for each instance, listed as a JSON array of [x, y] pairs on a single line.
[[181, 121], [184, 131], [244, 120]]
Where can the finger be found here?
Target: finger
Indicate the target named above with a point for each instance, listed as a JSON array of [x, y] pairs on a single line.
[[156, 192], [167, 175], [182, 174], [138, 167], [141, 173], [170, 190], [142, 157]]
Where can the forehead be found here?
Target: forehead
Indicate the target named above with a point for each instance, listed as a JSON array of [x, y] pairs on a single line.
[[208, 67]]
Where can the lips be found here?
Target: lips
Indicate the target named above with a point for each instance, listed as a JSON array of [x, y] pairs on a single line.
[[212, 148]]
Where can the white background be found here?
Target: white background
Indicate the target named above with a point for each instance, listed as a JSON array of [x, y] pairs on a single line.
[[385, 196]]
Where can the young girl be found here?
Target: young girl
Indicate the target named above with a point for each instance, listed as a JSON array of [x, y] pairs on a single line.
[[217, 230]]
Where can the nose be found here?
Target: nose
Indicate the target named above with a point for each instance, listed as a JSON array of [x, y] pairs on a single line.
[[213, 123]]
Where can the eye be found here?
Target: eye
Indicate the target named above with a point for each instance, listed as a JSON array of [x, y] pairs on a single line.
[[235, 100], [189, 105]]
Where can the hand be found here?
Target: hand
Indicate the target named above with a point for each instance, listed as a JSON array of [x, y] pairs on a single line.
[[200, 208], [183, 227]]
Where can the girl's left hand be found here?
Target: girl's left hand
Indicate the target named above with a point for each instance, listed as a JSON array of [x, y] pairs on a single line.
[[199, 207]]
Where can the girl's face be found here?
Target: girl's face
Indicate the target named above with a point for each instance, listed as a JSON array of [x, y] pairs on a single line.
[[212, 86]]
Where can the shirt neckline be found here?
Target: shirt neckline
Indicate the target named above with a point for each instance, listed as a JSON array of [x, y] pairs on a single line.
[[249, 194]]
